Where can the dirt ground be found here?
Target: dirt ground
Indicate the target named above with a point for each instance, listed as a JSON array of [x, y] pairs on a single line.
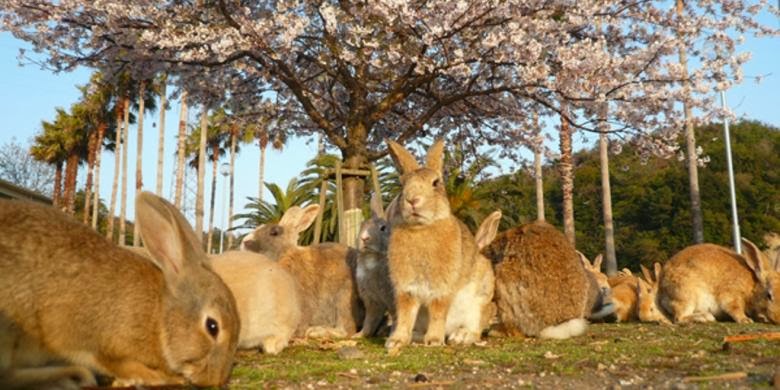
[[615, 356]]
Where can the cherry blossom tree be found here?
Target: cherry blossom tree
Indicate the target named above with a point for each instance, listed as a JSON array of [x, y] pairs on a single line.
[[359, 72]]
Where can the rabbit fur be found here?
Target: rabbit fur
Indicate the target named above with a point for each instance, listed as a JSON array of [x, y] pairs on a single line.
[[472, 308], [266, 298], [541, 285], [599, 292], [624, 295], [431, 254], [73, 303], [648, 308], [325, 273], [372, 274], [706, 282]]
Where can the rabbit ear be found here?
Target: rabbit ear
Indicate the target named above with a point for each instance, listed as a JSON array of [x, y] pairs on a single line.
[[657, 268], [290, 217], [583, 259], [434, 160], [626, 271], [307, 217], [403, 159], [487, 230], [171, 242], [597, 262], [376, 206], [641, 287], [755, 259], [646, 273]]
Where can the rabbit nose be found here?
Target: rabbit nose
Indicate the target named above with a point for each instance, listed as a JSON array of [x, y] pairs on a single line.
[[413, 201]]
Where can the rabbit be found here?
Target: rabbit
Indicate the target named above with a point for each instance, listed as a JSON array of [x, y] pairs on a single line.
[[706, 282], [73, 303], [266, 297], [431, 254], [542, 288], [472, 308], [372, 274], [325, 274], [624, 295], [599, 291], [648, 308]]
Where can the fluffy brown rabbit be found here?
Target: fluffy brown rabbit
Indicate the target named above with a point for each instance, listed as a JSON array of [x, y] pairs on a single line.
[[372, 274], [624, 295], [325, 273], [266, 298], [472, 308], [72, 302], [431, 255], [648, 307], [541, 286], [772, 252], [599, 291], [706, 282]]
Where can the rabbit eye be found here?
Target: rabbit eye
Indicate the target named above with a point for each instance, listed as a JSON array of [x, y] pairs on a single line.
[[275, 231], [212, 327], [383, 228], [436, 182]]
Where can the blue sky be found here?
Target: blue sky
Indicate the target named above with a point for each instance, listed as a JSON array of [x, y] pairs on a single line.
[[31, 95]]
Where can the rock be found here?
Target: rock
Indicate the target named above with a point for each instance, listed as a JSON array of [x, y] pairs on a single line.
[[350, 353]]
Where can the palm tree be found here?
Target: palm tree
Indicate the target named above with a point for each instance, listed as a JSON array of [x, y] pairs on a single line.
[[121, 105], [204, 124], [465, 194], [181, 152], [161, 84], [146, 102], [49, 147]]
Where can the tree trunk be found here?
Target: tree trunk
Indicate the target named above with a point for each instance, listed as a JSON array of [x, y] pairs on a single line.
[[139, 181], [212, 199], [57, 192], [233, 142], [71, 171], [538, 179], [161, 138], [539, 182], [118, 144], [123, 198], [690, 145], [567, 176], [353, 197], [204, 127], [181, 153], [101, 133], [261, 186], [606, 198], [91, 146]]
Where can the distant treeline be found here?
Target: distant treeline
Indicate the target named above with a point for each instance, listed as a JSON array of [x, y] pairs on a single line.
[[651, 201]]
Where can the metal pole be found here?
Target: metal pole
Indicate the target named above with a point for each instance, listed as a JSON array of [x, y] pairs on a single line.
[[730, 166]]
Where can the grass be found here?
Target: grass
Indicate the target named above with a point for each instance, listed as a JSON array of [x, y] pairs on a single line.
[[608, 355]]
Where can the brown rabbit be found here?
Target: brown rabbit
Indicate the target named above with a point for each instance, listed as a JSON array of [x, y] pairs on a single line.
[[325, 273], [706, 282], [624, 295], [72, 302], [372, 275], [472, 308], [266, 297], [432, 255], [541, 287], [599, 292], [648, 308]]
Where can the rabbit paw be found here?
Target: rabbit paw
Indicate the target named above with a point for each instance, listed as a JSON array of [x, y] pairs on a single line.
[[433, 341], [394, 344], [272, 345], [463, 336]]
